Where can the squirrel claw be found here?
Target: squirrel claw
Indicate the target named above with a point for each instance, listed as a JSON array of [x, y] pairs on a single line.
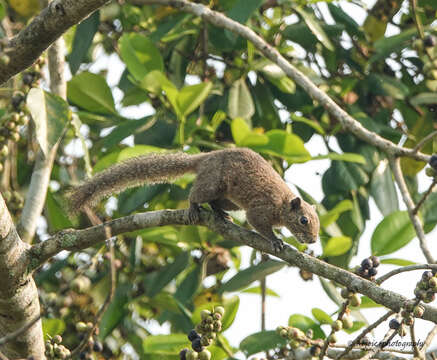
[[278, 245], [223, 215], [193, 214]]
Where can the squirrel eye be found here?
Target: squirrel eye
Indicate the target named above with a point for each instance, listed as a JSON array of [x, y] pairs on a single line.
[[303, 220]]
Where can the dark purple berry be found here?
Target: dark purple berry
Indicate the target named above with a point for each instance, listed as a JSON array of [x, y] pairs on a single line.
[[97, 346], [366, 263], [429, 41], [82, 355], [196, 345], [433, 162], [426, 275], [315, 350], [394, 324], [183, 354], [375, 261], [363, 272], [372, 272], [193, 335]]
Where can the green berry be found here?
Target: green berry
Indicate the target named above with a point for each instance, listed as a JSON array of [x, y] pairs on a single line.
[[332, 339], [219, 310], [204, 314], [355, 300], [418, 311], [337, 325], [191, 355], [205, 355], [347, 322], [57, 339]]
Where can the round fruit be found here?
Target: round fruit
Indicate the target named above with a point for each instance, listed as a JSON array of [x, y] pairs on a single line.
[[193, 335], [347, 322], [219, 310], [196, 345], [315, 350], [183, 354], [375, 261], [337, 325], [332, 338], [355, 300], [191, 355], [433, 162], [98, 346], [429, 41], [205, 355], [366, 263], [372, 272], [57, 339], [204, 314], [345, 293], [394, 324]]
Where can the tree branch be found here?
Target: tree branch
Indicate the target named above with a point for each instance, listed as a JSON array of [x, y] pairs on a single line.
[[74, 240], [399, 178], [348, 123], [18, 294], [44, 29]]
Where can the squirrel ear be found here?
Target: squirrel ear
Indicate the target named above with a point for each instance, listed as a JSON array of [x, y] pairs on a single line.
[[295, 203]]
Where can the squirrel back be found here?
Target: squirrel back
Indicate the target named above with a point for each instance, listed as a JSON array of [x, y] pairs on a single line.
[[147, 169]]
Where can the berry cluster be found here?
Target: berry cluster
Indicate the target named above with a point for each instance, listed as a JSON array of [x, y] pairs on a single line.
[[354, 298], [203, 335], [368, 267], [54, 349], [93, 344], [427, 287], [425, 50]]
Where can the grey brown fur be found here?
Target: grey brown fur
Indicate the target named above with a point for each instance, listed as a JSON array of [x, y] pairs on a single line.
[[228, 179]]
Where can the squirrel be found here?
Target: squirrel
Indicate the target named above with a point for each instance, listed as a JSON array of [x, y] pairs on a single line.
[[228, 179]]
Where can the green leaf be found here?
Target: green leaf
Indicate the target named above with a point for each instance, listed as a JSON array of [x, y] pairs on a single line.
[[76, 126], [190, 97], [315, 28], [357, 325], [321, 316], [349, 157], [140, 55], [161, 345], [337, 246], [308, 122], [261, 342], [92, 93], [426, 98], [240, 103], [247, 276], [283, 144], [2, 10], [52, 327], [367, 303], [383, 190], [343, 176], [342, 17], [393, 87], [392, 44], [242, 10], [188, 287], [399, 262], [50, 114], [305, 323], [240, 130], [168, 273], [83, 38], [116, 310], [332, 215], [392, 233], [257, 290], [55, 214]]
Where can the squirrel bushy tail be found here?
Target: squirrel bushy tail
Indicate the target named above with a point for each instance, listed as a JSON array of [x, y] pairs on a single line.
[[147, 169]]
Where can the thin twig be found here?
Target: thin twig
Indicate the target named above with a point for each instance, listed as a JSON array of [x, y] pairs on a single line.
[[397, 271], [425, 196], [110, 296], [387, 338], [413, 341], [422, 142], [326, 342], [399, 178], [365, 332], [429, 338]]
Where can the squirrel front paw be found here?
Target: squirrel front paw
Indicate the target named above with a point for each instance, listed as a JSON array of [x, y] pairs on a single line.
[[193, 213], [278, 245]]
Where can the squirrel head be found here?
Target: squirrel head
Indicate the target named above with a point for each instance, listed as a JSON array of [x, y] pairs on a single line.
[[301, 219]]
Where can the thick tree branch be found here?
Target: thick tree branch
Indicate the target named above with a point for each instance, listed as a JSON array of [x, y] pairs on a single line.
[[44, 29], [18, 294], [348, 123], [399, 178], [74, 240]]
